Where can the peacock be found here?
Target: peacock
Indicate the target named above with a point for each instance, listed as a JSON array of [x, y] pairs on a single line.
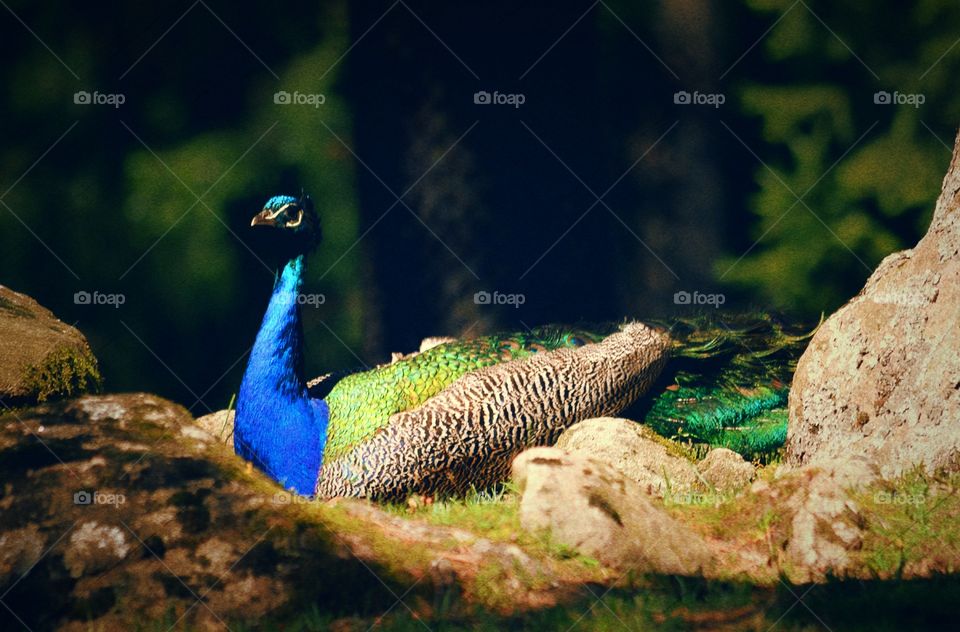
[[452, 416]]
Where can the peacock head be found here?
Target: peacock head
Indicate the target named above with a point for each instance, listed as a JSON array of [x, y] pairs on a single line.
[[295, 220]]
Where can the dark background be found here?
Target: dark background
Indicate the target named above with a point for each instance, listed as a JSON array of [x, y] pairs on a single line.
[[494, 198]]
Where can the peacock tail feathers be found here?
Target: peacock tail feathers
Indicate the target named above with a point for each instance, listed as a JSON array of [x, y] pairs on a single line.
[[361, 403], [728, 384]]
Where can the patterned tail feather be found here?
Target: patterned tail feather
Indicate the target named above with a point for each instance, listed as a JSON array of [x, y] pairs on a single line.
[[468, 435], [361, 403], [728, 385]]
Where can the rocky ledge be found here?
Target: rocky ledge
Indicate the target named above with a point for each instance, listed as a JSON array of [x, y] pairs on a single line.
[[40, 357]]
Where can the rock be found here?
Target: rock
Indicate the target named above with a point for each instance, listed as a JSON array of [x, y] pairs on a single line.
[[881, 377], [219, 425], [589, 506], [639, 453], [822, 524], [121, 511], [725, 470], [40, 357], [94, 547]]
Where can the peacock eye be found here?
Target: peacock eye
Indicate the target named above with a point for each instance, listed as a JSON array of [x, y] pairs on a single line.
[[535, 347], [293, 223], [577, 341]]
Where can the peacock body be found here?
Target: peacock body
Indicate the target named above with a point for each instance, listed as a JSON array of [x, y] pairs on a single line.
[[361, 404], [453, 416]]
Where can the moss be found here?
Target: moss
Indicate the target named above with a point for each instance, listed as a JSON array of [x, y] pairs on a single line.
[[10, 307], [65, 372]]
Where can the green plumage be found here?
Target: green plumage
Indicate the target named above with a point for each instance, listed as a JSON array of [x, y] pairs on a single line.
[[728, 384], [361, 404]]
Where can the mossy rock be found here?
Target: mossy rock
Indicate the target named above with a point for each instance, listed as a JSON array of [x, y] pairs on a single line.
[[41, 357]]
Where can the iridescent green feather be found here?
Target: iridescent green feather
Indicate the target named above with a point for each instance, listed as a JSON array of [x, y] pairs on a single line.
[[729, 384], [361, 404]]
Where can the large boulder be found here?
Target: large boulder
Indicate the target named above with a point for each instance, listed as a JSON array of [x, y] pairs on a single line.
[[588, 505], [881, 377], [119, 510], [40, 357]]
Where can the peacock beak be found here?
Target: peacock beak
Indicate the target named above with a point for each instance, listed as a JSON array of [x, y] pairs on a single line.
[[265, 218]]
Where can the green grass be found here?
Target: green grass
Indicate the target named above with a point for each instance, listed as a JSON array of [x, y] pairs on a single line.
[[913, 520], [490, 512]]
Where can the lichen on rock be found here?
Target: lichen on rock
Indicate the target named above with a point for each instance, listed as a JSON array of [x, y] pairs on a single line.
[[41, 358]]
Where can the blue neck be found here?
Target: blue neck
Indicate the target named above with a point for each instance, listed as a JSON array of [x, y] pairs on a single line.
[[278, 426]]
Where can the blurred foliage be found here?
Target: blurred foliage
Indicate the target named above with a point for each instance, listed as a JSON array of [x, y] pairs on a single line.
[[112, 205], [845, 181]]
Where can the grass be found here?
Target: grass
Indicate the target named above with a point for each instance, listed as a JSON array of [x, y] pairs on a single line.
[[493, 514], [913, 523], [490, 512], [672, 603], [909, 519]]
